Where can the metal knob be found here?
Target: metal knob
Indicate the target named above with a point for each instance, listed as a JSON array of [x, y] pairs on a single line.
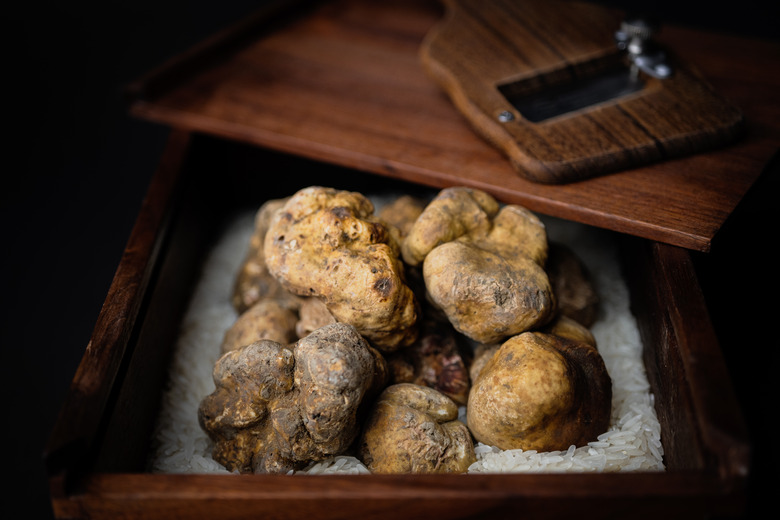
[[634, 34], [635, 37]]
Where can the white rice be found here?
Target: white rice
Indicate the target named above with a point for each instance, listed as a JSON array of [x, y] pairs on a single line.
[[633, 441]]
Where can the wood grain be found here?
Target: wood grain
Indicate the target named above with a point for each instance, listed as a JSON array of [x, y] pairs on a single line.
[[680, 363], [344, 84], [480, 46]]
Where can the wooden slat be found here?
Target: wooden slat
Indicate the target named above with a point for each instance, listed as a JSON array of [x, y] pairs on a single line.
[[589, 496]]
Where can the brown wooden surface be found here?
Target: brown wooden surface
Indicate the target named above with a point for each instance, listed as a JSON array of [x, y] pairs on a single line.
[[704, 441], [718, 417], [538, 44], [344, 84]]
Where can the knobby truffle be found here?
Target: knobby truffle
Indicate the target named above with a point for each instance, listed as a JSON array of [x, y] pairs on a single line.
[[540, 392], [327, 243], [483, 266], [414, 429], [276, 408]]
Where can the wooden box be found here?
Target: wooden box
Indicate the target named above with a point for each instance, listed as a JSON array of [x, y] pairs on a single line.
[[395, 131]]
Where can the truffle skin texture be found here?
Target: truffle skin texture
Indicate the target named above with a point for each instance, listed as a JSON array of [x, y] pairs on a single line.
[[275, 409], [482, 354], [483, 269], [414, 429], [574, 291], [568, 328], [453, 213], [402, 213], [327, 243], [266, 319], [435, 360], [312, 315], [562, 326], [253, 282], [540, 392]]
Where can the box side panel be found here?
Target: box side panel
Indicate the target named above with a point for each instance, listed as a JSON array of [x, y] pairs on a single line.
[[701, 424], [190, 228]]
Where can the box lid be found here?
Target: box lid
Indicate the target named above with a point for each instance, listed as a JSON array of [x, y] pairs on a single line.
[[342, 82]]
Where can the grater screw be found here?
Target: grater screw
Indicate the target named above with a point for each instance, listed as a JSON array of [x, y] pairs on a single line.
[[506, 116]]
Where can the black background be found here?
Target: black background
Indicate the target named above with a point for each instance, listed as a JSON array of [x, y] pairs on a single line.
[[77, 167]]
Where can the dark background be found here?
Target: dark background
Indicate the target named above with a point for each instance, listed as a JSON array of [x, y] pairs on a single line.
[[78, 166]]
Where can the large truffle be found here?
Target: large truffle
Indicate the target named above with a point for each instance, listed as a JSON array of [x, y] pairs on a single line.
[[327, 243], [414, 429], [540, 392], [483, 265], [276, 408]]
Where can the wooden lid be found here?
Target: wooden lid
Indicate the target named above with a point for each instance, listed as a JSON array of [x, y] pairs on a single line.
[[343, 83]]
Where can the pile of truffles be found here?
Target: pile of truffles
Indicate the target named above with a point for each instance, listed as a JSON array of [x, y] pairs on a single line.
[[364, 333]]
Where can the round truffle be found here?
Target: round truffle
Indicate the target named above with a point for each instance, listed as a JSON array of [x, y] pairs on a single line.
[[540, 392]]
